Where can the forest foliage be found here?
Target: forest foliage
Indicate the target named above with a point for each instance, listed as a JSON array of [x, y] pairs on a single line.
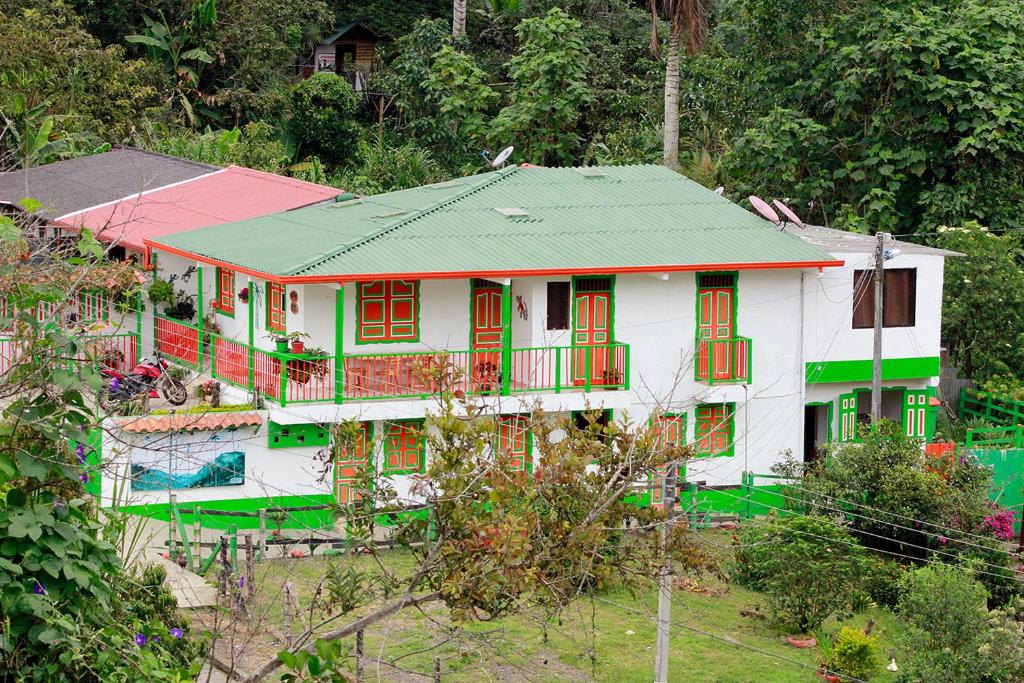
[[866, 116]]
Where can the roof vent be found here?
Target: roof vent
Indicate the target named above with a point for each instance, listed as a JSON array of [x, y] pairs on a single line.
[[591, 171], [389, 214], [344, 197], [512, 211], [341, 203]]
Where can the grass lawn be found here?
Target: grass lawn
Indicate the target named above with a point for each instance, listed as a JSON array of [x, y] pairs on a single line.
[[608, 639]]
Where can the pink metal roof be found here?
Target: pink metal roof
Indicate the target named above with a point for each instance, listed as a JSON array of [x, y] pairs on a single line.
[[231, 194]]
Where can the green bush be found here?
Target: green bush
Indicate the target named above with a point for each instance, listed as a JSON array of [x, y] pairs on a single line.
[[323, 117], [951, 636], [882, 580], [808, 566], [855, 654]]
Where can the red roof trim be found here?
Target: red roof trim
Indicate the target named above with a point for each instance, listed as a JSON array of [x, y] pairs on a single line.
[[362, 277]]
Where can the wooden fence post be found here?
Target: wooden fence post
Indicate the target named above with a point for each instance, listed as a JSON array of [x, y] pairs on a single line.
[[250, 573], [172, 538], [197, 538], [287, 592], [225, 569], [437, 670], [263, 534], [359, 656]]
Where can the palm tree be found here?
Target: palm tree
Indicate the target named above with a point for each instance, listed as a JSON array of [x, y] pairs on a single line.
[[689, 19], [458, 17]]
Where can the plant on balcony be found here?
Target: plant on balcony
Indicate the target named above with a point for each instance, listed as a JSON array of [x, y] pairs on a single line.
[[243, 295], [184, 307], [313, 364], [280, 342], [295, 338], [487, 376], [161, 292], [611, 378]]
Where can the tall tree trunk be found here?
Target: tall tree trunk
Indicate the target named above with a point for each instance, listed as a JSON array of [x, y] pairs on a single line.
[[458, 17], [670, 145]]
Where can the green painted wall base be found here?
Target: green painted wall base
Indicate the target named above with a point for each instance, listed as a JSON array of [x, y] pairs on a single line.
[[313, 519], [1007, 478]]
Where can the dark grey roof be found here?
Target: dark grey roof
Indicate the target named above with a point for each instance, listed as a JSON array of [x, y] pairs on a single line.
[[841, 241], [75, 184], [341, 30]]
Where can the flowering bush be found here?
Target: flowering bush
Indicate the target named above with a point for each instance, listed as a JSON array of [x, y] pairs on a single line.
[[1000, 525]]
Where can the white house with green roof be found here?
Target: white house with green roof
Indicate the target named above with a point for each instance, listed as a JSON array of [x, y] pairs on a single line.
[[631, 290]]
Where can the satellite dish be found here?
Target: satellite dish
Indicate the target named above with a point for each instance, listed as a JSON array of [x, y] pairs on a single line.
[[502, 157], [788, 213], [720, 190], [762, 207]]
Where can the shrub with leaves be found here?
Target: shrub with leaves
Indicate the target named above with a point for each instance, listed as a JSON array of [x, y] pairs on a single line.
[[808, 567], [951, 635], [323, 117], [855, 654]]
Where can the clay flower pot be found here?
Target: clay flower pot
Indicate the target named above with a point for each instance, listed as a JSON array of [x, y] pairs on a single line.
[[802, 642], [297, 553]]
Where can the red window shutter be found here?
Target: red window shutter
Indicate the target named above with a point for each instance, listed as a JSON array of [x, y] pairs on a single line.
[[714, 429], [388, 311], [226, 290], [403, 447], [276, 317]]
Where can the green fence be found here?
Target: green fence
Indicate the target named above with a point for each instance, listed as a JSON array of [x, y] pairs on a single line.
[[992, 407]]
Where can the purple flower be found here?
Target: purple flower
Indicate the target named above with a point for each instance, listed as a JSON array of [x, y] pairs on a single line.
[[241, 582], [114, 384], [84, 477], [140, 639], [176, 633], [943, 540], [80, 452], [38, 589]]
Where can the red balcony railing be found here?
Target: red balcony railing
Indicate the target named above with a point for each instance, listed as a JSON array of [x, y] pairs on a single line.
[[178, 340], [720, 361]]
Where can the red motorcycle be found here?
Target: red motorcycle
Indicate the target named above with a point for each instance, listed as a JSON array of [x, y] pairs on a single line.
[[145, 378]]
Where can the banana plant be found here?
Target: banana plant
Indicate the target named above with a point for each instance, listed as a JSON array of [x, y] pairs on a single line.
[[30, 130], [500, 6]]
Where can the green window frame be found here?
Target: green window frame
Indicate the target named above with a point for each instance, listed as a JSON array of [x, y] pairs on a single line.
[[404, 448], [94, 306], [387, 311], [715, 425]]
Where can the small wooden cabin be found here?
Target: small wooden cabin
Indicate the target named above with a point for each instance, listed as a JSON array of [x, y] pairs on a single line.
[[350, 51]]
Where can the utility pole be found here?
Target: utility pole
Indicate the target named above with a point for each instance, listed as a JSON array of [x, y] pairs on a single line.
[[876, 375], [670, 497]]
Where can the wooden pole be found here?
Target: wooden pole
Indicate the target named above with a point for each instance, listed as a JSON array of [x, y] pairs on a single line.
[[263, 533], [876, 372], [437, 670], [250, 572], [197, 537], [172, 539], [225, 567], [359, 656], [665, 581], [287, 613]]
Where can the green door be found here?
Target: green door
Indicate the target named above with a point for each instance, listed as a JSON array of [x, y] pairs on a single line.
[[915, 412], [847, 416]]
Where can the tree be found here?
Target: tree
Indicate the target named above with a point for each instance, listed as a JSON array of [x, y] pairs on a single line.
[[549, 70], [492, 538], [323, 117], [686, 18], [458, 18], [983, 302]]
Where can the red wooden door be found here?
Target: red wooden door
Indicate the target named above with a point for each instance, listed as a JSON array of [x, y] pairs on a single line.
[[349, 463], [514, 439], [592, 337], [487, 330], [714, 323]]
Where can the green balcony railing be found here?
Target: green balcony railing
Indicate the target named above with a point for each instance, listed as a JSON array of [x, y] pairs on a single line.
[[721, 361]]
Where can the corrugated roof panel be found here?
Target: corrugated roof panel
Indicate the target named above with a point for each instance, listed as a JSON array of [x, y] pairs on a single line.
[[631, 216]]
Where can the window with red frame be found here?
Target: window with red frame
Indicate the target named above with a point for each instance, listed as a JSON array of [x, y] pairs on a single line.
[[388, 310], [226, 291], [670, 430], [276, 319], [714, 429], [403, 448], [514, 438]]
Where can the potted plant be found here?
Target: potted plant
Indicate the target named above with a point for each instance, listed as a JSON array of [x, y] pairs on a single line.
[[295, 338], [277, 517], [318, 361], [611, 378], [487, 376], [161, 292], [184, 308], [243, 295], [280, 342]]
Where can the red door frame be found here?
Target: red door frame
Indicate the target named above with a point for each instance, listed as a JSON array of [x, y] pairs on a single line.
[[347, 465]]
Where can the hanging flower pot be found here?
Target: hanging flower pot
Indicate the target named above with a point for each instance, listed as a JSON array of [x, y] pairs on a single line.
[[243, 295]]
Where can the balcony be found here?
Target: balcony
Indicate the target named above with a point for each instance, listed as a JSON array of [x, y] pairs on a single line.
[[289, 378], [723, 361]]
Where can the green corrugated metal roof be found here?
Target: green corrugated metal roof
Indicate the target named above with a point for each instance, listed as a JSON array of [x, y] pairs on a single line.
[[624, 217]]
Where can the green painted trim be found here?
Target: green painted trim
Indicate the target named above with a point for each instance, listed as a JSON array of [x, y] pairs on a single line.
[[339, 344], [411, 340], [830, 405], [572, 332], [822, 372], [138, 327], [310, 519], [506, 338], [252, 349], [418, 423], [219, 310], [729, 452], [733, 324]]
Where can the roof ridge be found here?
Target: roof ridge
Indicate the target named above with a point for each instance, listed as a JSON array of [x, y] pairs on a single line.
[[394, 225]]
